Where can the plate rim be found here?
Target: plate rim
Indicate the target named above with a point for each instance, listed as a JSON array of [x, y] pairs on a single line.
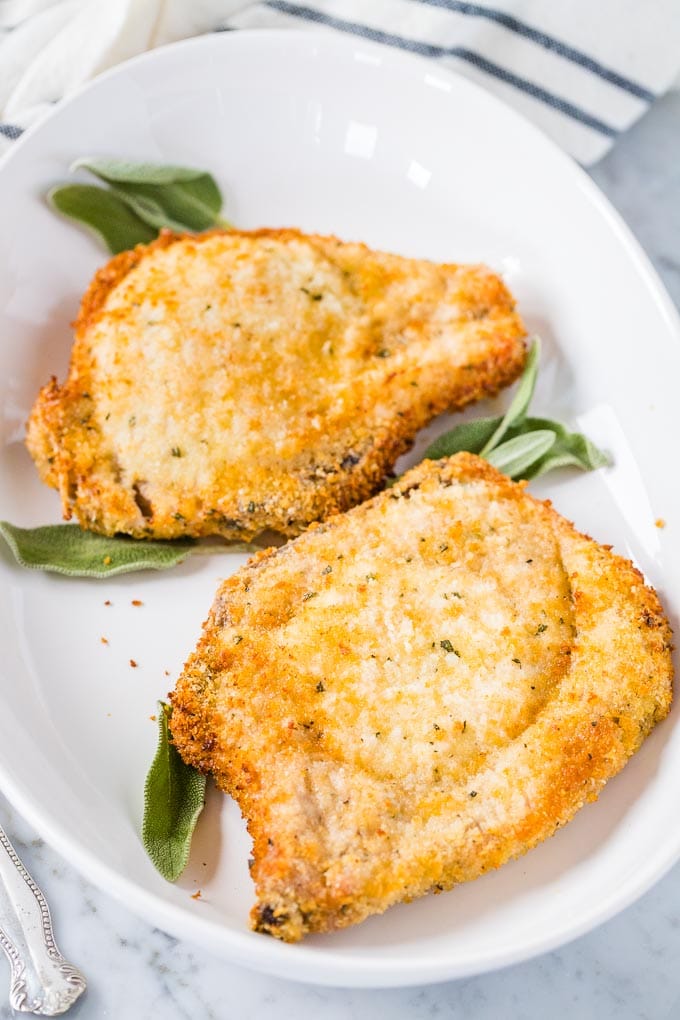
[[326, 966]]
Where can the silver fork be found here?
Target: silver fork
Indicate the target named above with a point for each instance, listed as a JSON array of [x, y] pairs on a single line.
[[42, 981]]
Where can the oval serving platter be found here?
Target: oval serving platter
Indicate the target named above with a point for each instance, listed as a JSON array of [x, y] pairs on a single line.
[[332, 135]]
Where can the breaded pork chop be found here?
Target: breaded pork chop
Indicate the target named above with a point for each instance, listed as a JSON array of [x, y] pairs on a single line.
[[417, 691], [234, 382]]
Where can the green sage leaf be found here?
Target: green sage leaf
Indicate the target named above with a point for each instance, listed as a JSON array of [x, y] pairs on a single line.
[[102, 212], [519, 406], [470, 436], [67, 549], [149, 211], [516, 456], [571, 449], [521, 456], [174, 796], [178, 197], [124, 171], [195, 204]]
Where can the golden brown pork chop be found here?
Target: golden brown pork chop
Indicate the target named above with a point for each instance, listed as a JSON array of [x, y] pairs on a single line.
[[417, 691], [233, 382]]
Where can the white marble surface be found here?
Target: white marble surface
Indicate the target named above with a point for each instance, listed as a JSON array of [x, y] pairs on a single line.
[[629, 969]]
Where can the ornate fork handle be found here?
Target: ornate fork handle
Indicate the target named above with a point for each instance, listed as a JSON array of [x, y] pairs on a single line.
[[42, 981]]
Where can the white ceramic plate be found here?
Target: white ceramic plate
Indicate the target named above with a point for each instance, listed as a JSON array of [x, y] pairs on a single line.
[[328, 134]]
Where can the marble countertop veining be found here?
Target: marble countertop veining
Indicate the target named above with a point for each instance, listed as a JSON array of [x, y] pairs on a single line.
[[628, 969]]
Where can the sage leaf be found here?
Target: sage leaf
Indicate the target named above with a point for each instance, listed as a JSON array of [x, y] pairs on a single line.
[[571, 449], [187, 196], [67, 549], [470, 436], [532, 446], [103, 213], [174, 795], [519, 406], [124, 171], [516, 456], [149, 211], [195, 203]]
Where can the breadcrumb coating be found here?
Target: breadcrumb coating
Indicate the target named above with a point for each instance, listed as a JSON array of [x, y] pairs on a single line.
[[234, 382], [417, 691]]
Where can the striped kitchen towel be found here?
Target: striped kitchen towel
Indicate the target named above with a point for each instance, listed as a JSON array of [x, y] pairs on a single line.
[[583, 70]]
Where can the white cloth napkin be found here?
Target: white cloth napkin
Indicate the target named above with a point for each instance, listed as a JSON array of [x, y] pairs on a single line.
[[583, 70]]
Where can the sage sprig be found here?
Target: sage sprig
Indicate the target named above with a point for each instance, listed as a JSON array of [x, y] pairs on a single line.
[[174, 796], [67, 549], [519, 445], [471, 436], [516, 456], [139, 201], [570, 449], [103, 213], [519, 405]]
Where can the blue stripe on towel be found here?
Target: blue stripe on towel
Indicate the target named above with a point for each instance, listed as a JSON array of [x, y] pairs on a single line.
[[548, 42], [11, 131], [429, 50]]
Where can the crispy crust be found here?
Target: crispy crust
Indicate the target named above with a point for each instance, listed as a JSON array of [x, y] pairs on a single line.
[[417, 691], [241, 381]]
